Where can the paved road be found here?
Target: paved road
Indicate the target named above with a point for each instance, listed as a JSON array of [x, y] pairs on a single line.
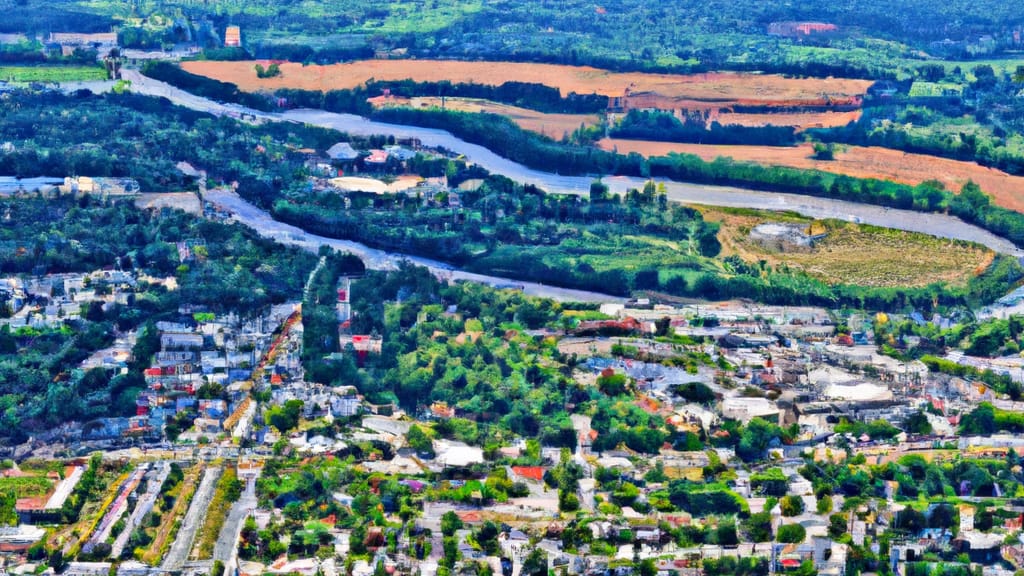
[[117, 508], [226, 548], [65, 488], [142, 507], [936, 224], [182, 545]]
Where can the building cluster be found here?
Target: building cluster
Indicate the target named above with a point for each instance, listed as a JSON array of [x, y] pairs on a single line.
[[48, 301], [225, 356]]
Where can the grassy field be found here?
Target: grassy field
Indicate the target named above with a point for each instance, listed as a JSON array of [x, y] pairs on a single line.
[[934, 89], [670, 90], [26, 486], [51, 73], [861, 162], [849, 254], [628, 253], [999, 65], [419, 17], [551, 125], [853, 253]]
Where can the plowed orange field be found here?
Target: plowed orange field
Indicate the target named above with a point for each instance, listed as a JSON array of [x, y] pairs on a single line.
[[721, 88], [860, 162]]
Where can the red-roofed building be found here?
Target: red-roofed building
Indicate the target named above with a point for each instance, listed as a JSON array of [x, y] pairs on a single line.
[[535, 473], [469, 516], [678, 519], [624, 326], [233, 37], [379, 157], [442, 410]]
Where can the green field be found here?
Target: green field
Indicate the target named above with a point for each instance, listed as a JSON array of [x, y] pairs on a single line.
[[51, 73], [934, 89], [26, 486], [999, 65], [417, 17]]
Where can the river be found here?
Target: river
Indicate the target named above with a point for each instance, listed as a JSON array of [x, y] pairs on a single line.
[[940, 225], [261, 221]]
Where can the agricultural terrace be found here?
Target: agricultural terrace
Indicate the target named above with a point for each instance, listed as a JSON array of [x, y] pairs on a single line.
[[851, 253], [176, 503], [51, 73], [550, 125], [666, 91], [860, 162]]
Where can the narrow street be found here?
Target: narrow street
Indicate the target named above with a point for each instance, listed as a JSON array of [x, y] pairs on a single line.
[[142, 507], [182, 545], [226, 548], [117, 508]]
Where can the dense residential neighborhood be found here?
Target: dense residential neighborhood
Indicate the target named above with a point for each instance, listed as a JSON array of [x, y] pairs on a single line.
[[780, 440], [262, 315]]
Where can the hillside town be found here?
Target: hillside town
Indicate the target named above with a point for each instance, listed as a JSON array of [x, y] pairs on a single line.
[[260, 318], [848, 472], [670, 436]]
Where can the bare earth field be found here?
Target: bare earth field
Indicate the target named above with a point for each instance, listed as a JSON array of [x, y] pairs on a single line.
[[799, 120], [721, 88], [186, 201], [861, 162], [854, 253], [551, 125]]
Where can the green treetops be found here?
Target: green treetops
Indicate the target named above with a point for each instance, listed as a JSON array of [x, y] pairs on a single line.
[[791, 534]]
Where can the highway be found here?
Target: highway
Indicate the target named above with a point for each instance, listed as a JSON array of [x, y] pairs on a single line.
[[940, 225]]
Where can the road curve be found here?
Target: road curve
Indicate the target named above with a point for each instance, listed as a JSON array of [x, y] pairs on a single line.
[[939, 225]]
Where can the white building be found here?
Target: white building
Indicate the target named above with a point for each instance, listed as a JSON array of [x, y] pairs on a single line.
[[744, 409]]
